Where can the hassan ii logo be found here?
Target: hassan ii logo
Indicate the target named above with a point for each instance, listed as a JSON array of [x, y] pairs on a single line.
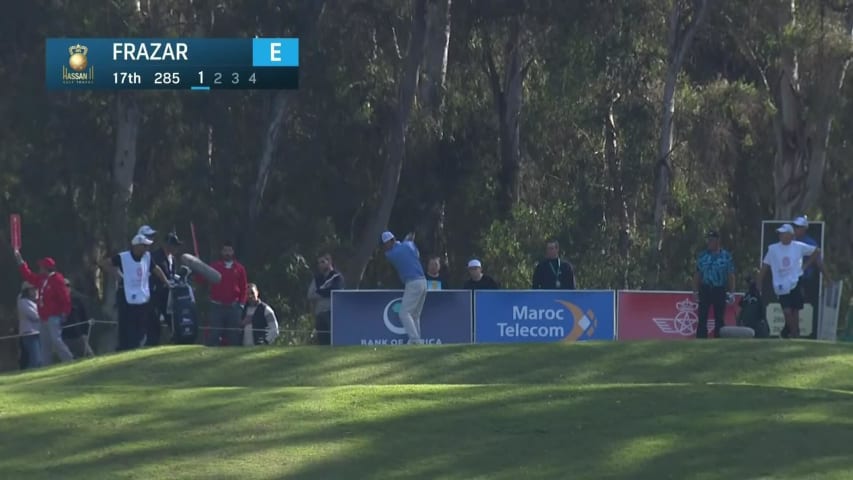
[[78, 61], [582, 323], [685, 322]]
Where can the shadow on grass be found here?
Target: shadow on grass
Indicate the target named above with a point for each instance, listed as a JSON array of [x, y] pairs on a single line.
[[496, 432], [804, 364]]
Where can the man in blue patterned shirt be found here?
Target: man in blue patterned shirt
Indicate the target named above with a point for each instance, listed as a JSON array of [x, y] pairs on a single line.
[[713, 283]]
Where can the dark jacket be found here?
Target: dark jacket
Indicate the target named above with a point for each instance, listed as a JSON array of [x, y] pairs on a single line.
[[485, 283], [549, 271], [263, 329]]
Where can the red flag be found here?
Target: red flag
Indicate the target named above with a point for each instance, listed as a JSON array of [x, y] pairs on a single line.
[[15, 231]]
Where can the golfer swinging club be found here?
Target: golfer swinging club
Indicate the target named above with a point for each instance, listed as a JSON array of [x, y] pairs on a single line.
[[405, 258]]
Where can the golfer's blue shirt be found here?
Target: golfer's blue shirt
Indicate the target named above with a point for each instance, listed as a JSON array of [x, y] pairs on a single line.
[[406, 260], [714, 268]]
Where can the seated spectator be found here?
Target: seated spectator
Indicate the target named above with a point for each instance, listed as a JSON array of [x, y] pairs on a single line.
[[260, 327], [435, 279], [478, 280]]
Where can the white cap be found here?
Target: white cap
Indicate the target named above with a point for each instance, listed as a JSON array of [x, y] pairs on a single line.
[[386, 237], [141, 240], [787, 228], [801, 222], [475, 264], [146, 230]]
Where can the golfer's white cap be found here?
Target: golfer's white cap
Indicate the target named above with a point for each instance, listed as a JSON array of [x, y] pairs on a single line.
[[475, 264], [386, 237], [141, 240], [146, 230], [787, 228], [801, 222]]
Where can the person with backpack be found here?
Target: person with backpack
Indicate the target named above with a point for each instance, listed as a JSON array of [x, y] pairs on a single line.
[[752, 311], [75, 329]]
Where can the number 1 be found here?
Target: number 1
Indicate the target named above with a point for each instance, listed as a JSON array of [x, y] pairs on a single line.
[[201, 77]]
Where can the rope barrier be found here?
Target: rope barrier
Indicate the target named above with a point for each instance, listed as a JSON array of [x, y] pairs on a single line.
[[92, 322], [89, 322]]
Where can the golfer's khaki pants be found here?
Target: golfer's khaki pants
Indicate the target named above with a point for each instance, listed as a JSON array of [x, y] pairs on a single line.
[[412, 305]]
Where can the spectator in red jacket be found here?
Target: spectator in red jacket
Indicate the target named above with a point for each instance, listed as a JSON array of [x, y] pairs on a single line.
[[227, 299], [54, 305]]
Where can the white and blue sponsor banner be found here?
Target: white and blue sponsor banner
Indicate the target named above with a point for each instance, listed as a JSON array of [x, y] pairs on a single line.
[[531, 316], [371, 317]]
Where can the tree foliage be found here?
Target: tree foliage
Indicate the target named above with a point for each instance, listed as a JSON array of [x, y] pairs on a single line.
[[545, 121]]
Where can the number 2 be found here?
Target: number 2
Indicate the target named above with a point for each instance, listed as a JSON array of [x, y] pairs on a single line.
[[217, 78], [235, 78]]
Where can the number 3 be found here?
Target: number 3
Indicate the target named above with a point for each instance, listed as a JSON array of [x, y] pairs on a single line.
[[235, 78]]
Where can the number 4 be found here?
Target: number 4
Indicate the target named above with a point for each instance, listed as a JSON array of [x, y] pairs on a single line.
[[252, 78]]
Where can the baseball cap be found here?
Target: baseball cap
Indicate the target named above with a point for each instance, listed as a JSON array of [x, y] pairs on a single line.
[[386, 237], [47, 262], [801, 222], [172, 239], [141, 240], [786, 228], [475, 264], [27, 286], [146, 230]]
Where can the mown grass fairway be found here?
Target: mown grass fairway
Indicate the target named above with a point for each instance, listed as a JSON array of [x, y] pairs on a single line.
[[733, 410]]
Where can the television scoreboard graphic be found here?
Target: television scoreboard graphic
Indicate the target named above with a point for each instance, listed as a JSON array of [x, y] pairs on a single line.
[[200, 64]]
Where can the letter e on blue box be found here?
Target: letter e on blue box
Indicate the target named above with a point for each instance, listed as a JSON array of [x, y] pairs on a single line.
[[539, 316], [275, 52]]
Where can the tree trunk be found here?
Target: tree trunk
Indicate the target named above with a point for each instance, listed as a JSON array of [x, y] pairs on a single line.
[[390, 181], [802, 137], [256, 191], [311, 14], [618, 205], [679, 44], [508, 97], [128, 118], [435, 64]]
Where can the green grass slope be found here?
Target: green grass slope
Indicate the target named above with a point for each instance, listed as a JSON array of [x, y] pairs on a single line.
[[734, 410]]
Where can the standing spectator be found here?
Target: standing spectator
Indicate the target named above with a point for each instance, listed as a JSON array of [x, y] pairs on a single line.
[[784, 260], [553, 273], [54, 304], [227, 299], [166, 257], [260, 327], [134, 268], [405, 258], [478, 280], [435, 279], [320, 295], [713, 284], [810, 281], [29, 326], [75, 332]]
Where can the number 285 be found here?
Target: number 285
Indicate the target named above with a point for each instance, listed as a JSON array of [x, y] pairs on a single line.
[[167, 78]]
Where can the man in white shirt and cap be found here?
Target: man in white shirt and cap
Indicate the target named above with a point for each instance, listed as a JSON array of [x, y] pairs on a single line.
[[784, 260], [134, 268]]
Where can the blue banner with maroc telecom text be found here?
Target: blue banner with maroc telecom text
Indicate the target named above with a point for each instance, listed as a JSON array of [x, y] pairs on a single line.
[[538, 316]]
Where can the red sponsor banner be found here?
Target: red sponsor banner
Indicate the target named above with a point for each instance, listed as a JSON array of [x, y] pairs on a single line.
[[15, 231], [650, 315]]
